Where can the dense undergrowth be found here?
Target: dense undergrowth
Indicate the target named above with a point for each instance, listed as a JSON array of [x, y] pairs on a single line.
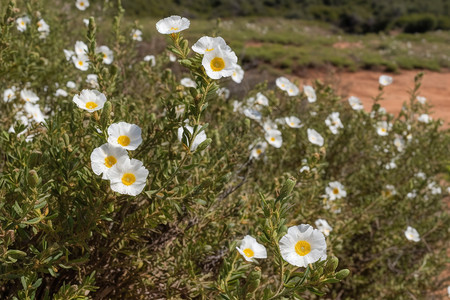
[[219, 169]]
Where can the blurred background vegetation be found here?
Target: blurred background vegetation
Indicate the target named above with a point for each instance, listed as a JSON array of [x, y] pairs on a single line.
[[353, 16]]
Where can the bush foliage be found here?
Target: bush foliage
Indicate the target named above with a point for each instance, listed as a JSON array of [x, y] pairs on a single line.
[[64, 234]]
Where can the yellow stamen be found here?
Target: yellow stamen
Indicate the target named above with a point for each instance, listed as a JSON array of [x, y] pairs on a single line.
[[248, 252], [258, 151], [128, 178], [209, 49], [335, 191], [123, 140], [302, 248], [91, 105], [272, 139], [217, 64], [174, 28], [110, 161], [80, 62]]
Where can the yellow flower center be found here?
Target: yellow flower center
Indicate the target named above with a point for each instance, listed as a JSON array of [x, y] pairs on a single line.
[[302, 248], [335, 191], [292, 124], [258, 151], [22, 23], [81, 3], [272, 139], [174, 28], [209, 49], [123, 140], [80, 62], [217, 64], [39, 24], [91, 105], [27, 99], [128, 179], [135, 35], [291, 90], [383, 129], [282, 85], [388, 193], [249, 252], [105, 56], [110, 161]]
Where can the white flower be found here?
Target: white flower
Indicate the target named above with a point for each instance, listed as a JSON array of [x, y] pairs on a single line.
[[323, 226], [34, 111], [421, 99], [303, 245], [270, 125], [82, 4], [28, 96], [385, 80], [238, 74], [179, 110], [251, 249], [424, 118], [124, 135], [390, 190], [81, 48], [172, 57], [219, 63], [252, 114], [107, 54], [355, 103], [412, 194], [207, 44], [335, 190], [399, 143], [199, 138], [9, 94], [434, 188], [391, 165], [383, 128], [61, 92], [104, 157], [136, 35], [90, 100], [43, 28], [274, 138], [284, 84], [261, 100], [69, 54], [237, 106], [310, 93], [172, 24], [86, 22], [304, 168], [223, 92], [315, 137], [412, 234], [92, 80], [151, 59], [258, 149], [81, 62], [128, 176], [22, 23], [188, 82], [293, 122], [334, 122], [421, 175]]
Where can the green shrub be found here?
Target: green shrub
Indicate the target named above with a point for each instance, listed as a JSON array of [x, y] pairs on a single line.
[[65, 233]]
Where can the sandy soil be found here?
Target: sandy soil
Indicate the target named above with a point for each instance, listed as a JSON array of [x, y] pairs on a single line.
[[364, 85]]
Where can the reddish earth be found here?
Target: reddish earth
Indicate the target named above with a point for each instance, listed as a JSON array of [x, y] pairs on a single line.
[[364, 85]]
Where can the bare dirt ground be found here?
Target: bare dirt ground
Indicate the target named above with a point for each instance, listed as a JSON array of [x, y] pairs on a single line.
[[364, 85]]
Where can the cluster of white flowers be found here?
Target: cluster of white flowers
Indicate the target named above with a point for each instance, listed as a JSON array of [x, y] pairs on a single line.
[[286, 85], [301, 246], [42, 26], [334, 122], [126, 176], [80, 58], [28, 111]]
